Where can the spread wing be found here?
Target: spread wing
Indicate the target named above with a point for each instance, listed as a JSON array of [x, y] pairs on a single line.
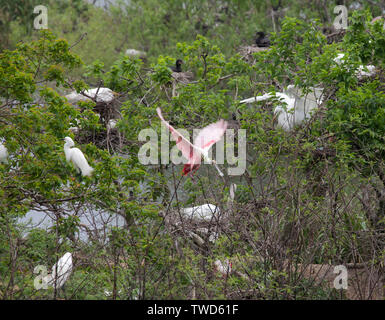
[[211, 134], [187, 148], [204, 141]]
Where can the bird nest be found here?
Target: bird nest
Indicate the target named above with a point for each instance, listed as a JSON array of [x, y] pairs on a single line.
[[334, 36], [107, 110], [201, 232], [110, 139], [183, 77], [107, 107], [246, 52]]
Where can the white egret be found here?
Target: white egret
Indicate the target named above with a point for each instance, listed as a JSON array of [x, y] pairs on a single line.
[[64, 269], [133, 53], [297, 108], [77, 157], [224, 268], [105, 95], [111, 124], [361, 72], [206, 212], [3, 153], [203, 212]]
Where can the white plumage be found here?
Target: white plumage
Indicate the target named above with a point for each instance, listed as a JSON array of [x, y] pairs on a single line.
[[74, 130], [297, 108], [224, 268], [108, 293], [133, 53], [75, 156], [64, 269], [261, 98], [206, 211], [3, 153], [361, 72], [339, 59], [111, 124], [105, 95]]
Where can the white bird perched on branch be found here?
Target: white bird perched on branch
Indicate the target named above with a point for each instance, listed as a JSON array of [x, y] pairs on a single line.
[[3, 153], [77, 157], [361, 71], [105, 95], [297, 108], [224, 268], [206, 212], [111, 124], [63, 268], [133, 53]]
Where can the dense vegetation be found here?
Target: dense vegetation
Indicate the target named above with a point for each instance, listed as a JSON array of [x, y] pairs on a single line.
[[311, 196]]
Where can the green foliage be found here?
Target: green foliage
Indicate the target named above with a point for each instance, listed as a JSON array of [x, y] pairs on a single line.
[[313, 195]]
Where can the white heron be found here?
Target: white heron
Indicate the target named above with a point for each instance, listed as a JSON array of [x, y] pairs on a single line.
[[105, 95], [361, 72], [111, 124], [64, 270], [75, 156], [206, 211], [3, 153], [223, 267], [133, 53], [297, 108]]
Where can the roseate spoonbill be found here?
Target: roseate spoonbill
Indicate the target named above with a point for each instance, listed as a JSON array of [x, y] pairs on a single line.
[[262, 41], [105, 95], [206, 138], [77, 157], [178, 66], [377, 19], [64, 269], [3, 153]]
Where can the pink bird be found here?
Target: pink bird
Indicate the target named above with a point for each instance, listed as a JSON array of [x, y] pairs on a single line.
[[206, 138]]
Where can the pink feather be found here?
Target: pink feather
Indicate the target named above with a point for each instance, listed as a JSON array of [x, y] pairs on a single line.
[[206, 138]]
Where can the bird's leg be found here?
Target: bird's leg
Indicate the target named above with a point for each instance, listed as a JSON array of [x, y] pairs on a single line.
[[192, 177], [216, 166]]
